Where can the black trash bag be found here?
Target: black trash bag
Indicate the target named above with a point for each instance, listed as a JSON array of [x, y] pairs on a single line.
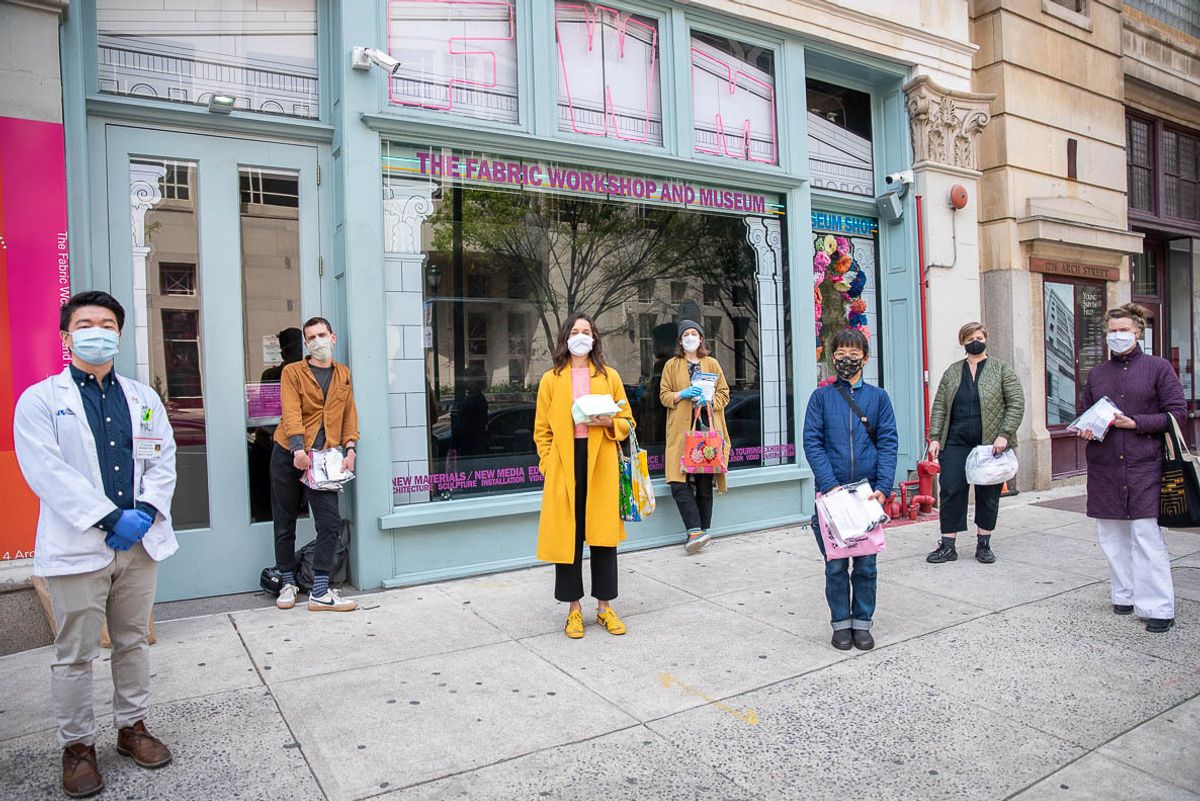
[[341, 561], [272, 582]]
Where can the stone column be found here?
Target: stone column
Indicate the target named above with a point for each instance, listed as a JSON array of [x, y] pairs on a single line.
[[945, 126], [144, 194], [406, 205], [764, 237]]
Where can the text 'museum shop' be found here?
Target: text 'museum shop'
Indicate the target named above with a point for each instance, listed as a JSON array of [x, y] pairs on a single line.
[[640, 162]]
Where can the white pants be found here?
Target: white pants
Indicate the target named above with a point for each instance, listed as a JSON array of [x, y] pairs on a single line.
[[1139, 566], [124, 592]]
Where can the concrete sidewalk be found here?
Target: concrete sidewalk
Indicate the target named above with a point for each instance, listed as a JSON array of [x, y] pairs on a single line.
[[1013, 680]]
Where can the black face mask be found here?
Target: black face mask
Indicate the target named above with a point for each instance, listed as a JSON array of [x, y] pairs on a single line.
[[975, 347], [847, 367]]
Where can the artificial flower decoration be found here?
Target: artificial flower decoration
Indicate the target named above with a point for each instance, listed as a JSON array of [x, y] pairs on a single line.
[[829, 244], [843, 245], [820, 261], [843, 287], [858, 306], [843, 264]]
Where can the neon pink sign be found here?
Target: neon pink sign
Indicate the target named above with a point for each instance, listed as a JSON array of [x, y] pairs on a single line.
[[461, 62], [736, 146], [587, 70]]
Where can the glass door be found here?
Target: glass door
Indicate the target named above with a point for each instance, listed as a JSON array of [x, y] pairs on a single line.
[[214, 245]]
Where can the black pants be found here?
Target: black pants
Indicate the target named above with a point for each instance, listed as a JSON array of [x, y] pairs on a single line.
[[286, 494], [955, 489], [568, 579], [695, 500]]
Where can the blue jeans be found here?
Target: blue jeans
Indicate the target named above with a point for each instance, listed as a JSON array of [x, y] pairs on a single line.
[[849, 610]]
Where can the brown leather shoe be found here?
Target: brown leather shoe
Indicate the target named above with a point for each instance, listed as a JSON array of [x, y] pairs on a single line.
[[81, 778], [146, 749]]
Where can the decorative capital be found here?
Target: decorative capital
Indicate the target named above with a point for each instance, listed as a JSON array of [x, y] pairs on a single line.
[[145, 192], [946, 124], [763, 236]]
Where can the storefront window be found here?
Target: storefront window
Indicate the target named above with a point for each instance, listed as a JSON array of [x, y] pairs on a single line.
[[839, 139], [264, 56], [547, 253], [1139, 135], [608, 73], [733, 99], [1074, 341], [1181, 171], [459, 57], [845, 286]]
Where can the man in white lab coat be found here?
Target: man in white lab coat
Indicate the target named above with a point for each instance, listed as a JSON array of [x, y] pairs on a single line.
[[98, 451]]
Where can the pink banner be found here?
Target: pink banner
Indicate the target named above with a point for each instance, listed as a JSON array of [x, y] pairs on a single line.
[[35, 280]]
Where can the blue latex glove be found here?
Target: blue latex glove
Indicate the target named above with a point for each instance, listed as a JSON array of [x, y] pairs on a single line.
[[129, 530], [692, 393]]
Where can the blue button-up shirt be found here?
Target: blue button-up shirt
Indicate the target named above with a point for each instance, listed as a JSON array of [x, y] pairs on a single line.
[[112, 428]]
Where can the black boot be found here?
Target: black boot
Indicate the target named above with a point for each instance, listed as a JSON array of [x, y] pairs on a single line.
[[983, 549], [1157, 625], [1122, 609], [863, 640], [945, 552]]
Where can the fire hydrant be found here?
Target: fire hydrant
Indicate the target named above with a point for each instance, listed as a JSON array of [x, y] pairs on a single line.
[[924, 499]]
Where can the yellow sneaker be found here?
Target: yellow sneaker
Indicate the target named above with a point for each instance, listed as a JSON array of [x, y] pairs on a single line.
[[574, 626], [608, 618]]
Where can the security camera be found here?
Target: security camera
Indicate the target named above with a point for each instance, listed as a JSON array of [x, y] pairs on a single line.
[[361, 58], [902, 178]]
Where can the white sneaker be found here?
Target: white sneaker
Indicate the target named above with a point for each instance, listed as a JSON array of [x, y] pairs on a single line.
[[287, 596], [331, 601]]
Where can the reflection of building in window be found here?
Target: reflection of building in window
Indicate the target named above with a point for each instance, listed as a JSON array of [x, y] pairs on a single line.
[[741, 330], [646, 342], [181, 353], [712, 334], [741, 296], [678, 291], [477, 334], [839, 139], [711, 292], [646, 291], [608, 73], [733, 99], [181, 56], [266, 188], [177, 183], [1060, 353], [518, 348], [456, 57], [177, 279], [477, 281]]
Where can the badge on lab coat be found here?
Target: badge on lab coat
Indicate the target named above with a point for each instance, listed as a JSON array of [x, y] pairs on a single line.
[[147, 447]]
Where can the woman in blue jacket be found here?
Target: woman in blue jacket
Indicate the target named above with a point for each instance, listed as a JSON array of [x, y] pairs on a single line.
[[841, 448]]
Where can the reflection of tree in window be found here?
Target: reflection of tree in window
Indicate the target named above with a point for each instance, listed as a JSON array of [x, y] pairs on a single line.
[[712, 334], [678, 291], [574, 255], [646, 291], [741, 331]]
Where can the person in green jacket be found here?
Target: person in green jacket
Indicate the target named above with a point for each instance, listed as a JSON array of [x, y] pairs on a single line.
[[979, 402]]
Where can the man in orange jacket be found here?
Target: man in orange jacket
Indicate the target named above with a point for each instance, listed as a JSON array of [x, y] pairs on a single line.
[[318, 414]]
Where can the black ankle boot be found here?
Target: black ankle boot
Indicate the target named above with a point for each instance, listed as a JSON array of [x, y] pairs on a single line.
[[843, 640], [945, 552]]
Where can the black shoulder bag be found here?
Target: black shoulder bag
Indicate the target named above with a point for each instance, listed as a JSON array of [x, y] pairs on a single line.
[[862, 418]]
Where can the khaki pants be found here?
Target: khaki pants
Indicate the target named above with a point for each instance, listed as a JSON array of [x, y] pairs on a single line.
[[124, 591]]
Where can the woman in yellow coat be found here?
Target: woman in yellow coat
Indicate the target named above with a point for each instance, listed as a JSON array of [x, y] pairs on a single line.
[[693, 493], [580, 468]]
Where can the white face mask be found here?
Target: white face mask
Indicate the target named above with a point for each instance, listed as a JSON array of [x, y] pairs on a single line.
[[321, 348], [580, 344], [1121, 341], [691, 344]]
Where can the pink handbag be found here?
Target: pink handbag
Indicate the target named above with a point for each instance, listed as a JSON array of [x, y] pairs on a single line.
[[704, 451], [873, 543]]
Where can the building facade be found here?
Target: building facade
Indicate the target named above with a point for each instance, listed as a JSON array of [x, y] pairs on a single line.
[[233, 171], [1089, 196]]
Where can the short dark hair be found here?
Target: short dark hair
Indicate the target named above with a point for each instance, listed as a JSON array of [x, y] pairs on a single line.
[[310, 322], [851, 338], [90, 298]]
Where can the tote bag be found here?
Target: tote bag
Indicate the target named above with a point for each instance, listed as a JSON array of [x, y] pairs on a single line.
[[636, 491], [1179, 497], [704, 451]]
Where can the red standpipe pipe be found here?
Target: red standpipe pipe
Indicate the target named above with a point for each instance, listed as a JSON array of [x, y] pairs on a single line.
[[924, 319]]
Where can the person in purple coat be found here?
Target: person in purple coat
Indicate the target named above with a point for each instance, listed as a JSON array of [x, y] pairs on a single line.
[[1125, 469]]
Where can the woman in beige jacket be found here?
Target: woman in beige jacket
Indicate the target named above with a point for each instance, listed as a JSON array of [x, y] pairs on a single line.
[[693, 493]]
